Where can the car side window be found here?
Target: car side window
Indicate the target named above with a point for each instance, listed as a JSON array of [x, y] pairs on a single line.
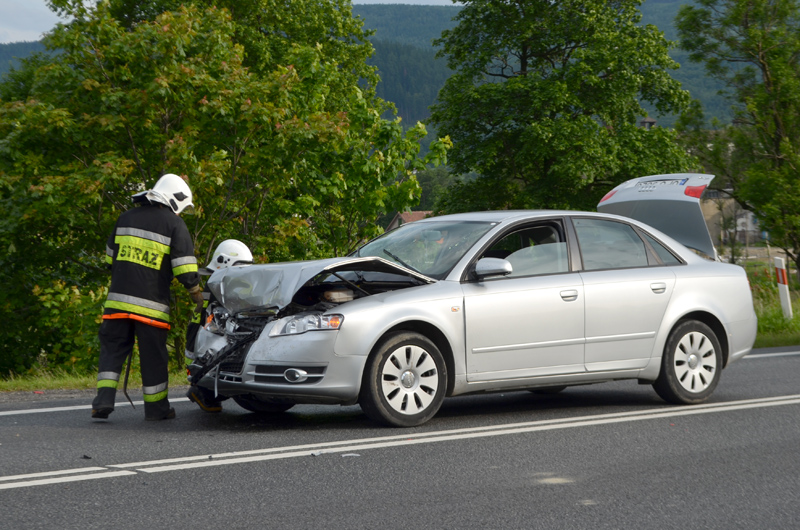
[[533, 250], [666, 257], [608, 244]]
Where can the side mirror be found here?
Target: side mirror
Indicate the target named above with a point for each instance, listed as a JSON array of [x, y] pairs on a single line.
[[488, 267]]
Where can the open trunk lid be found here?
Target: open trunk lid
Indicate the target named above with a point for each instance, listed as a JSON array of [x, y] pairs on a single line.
[[669, 203]]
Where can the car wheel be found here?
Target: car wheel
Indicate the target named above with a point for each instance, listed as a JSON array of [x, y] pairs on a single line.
[[404, 381], [548, 390], [254, 404], [691, 365]]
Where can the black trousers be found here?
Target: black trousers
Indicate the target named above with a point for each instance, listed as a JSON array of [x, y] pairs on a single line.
[[117, 337]]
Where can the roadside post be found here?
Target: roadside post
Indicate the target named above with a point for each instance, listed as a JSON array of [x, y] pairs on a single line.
[[783, 287]]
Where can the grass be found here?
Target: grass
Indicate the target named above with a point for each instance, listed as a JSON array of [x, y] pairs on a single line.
[[59, 379], [773, 331]]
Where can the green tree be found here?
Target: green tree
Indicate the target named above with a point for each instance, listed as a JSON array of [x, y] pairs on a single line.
[[545, 101], [753, 48], [269, 161]]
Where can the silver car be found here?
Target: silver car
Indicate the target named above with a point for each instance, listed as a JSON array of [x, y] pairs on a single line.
[[487, 302]]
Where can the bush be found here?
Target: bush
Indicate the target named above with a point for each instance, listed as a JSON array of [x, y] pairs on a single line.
[[70, 317]]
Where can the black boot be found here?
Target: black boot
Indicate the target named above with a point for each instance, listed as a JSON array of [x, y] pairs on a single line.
[[158, 410], [103, 403]]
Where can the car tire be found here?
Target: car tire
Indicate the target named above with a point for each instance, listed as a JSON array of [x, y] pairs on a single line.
[[254, 404], [691, 364], [548, 390], [405, 381]]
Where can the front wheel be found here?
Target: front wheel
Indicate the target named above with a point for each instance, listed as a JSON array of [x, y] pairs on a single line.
[[254, 404], [691, 365], [404, 381]]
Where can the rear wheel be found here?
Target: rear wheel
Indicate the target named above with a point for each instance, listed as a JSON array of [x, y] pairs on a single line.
[[691, 365], [254, 404], [404, 381]]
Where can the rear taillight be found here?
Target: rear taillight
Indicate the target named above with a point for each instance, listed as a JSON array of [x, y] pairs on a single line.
[[694, 191], [608, 195]]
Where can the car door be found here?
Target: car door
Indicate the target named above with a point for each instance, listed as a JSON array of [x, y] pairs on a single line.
[[627, 288], [530, 322]]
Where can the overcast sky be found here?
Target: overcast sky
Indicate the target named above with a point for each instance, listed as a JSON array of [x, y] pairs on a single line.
[[27, 20]]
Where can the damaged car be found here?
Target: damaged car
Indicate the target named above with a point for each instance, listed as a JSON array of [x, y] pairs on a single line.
[[487, 302]]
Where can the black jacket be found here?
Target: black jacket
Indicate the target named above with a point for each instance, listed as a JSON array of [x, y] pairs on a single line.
[[149, 246]]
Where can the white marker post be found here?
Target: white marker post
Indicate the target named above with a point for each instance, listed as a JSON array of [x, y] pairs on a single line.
[[783, 287]]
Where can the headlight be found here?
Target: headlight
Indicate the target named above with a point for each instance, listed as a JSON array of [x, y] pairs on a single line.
[[217, 319], [308, 322]]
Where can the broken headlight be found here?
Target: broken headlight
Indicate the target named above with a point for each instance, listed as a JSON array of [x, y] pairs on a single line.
[[298, 324], [217, 320]]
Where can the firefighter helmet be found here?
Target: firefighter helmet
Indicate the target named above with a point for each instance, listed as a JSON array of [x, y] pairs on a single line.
[[229, 253], [170, 190]]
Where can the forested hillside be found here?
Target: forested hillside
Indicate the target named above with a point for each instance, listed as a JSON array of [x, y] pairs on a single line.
[[407, 24], [411, 76], [399, 26], [9, 53]]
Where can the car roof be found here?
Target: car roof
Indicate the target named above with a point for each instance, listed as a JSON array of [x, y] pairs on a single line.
[[499, 216]]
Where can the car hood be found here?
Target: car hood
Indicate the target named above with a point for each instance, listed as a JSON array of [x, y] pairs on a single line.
[[669, 203], [274, 285]]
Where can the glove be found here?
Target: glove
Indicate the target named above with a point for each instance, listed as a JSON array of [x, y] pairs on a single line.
[[197, 297]]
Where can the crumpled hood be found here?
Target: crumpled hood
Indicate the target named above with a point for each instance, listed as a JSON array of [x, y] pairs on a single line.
[[275, 284]]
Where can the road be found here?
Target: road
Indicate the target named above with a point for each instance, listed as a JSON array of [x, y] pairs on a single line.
[[602, 456]]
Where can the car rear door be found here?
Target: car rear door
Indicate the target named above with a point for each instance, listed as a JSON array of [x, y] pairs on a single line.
[[626, 291]]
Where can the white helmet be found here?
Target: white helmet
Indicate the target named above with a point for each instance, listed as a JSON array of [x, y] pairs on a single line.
[[229, 253], [170, 190]]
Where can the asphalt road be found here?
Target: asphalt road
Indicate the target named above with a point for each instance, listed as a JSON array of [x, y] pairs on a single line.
[[602, 456]]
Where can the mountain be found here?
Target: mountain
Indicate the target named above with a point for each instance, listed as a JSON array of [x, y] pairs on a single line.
[[10, 53], [411, 76]]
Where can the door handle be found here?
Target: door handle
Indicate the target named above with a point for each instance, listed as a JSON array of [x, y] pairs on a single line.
[[569, 296], [658, 288]]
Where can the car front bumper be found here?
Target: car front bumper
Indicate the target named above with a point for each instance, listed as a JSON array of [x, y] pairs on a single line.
[[291, 369]]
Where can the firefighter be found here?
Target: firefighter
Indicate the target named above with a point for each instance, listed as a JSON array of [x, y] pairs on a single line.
[[229, 253], [150, 245]]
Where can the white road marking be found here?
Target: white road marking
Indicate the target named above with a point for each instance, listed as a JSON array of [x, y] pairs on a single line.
[[344, 446], [768, 355], [79, 407], [51, 473], [62, 480]]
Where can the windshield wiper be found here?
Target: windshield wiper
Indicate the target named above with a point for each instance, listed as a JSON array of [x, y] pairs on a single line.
[[401, 262]]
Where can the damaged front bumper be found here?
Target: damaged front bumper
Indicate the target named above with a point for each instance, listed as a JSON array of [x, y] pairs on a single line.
[[289, 369]]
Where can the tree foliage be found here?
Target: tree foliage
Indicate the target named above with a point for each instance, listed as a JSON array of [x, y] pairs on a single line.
[[546, 98], [753, 48], [289, 154]]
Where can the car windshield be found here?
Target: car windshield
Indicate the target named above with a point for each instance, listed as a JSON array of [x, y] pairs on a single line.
[[431, 248]]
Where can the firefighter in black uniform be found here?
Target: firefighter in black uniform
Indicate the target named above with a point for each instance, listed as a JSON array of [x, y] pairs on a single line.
[[229, 253], [149, 246]]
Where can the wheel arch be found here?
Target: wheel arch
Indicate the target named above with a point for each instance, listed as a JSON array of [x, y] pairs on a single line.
[[433, 334], [716, 326]]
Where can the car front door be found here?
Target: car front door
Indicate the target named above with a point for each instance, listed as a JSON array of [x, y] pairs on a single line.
[[531, 322]]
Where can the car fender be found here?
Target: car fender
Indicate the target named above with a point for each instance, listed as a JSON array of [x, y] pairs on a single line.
[[725, 298], [369, 319]]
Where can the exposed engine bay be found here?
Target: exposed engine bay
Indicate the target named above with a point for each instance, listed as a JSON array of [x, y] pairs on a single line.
[[246, 299]]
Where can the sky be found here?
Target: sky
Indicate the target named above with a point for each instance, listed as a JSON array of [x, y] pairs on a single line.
[[27, 20]]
